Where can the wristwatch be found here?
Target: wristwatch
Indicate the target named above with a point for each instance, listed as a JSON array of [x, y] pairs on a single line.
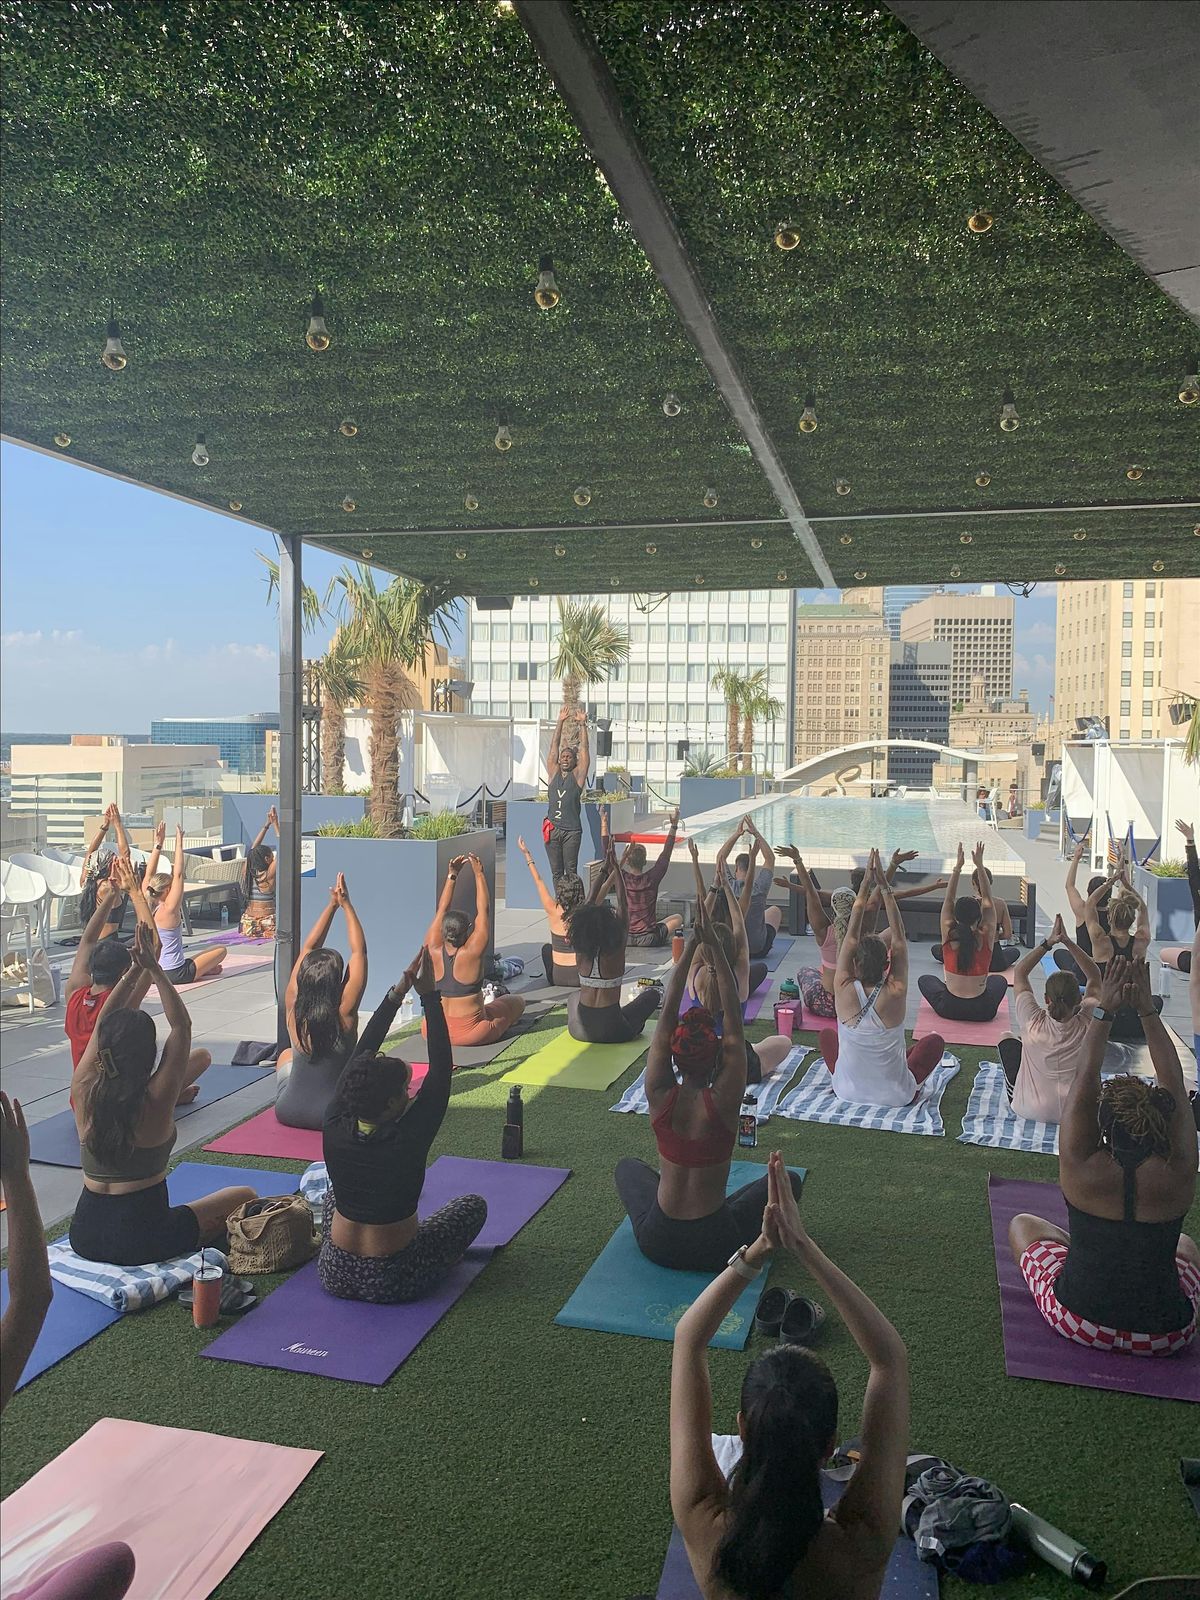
[[1100, 1015], [741, 1266]]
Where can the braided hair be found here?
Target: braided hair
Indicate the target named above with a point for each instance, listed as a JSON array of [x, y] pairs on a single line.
[[1135, 1119]]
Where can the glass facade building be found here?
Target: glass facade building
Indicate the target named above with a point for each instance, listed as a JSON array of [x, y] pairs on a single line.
[[241, 741], [919, 707]]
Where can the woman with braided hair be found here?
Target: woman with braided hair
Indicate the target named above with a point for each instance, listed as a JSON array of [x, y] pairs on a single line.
[[1124, 1276]]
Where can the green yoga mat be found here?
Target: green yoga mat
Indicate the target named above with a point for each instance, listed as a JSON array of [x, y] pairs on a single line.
[[572, 1064], [622, 1292]]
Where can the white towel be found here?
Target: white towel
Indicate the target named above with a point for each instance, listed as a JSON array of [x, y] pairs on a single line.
[[127, 1288]]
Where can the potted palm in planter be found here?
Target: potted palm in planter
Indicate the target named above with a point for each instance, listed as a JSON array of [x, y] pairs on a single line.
[[708, 782], [1164, 887]]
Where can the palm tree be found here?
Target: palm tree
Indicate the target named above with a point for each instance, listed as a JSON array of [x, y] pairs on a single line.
[[387, 634], [758, 704], [1191, 746], [588, 648], [311, 610], [732, 684], [338, 678]]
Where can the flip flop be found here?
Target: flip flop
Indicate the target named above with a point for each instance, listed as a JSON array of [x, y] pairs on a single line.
[[769, 1313], [802, 1322], [237, 1294]]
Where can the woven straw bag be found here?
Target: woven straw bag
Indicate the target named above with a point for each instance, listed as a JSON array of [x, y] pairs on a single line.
[[271, 1235]]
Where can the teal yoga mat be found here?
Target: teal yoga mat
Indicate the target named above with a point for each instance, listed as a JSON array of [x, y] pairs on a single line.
[[622, 1292]]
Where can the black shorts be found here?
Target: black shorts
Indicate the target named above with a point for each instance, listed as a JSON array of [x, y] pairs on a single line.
[[658, 935], [131, 1230], [184, 974], [769, 931]]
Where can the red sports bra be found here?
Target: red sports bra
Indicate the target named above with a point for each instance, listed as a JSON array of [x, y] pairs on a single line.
[[981, 961], [710, 1150]]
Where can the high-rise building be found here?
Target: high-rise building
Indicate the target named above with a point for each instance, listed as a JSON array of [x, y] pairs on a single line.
[[986, 724], [842, 678], [69, 786], [241, 741], [919, 706], [980, 629], [663, 694], [898, 597], [1126, 651]]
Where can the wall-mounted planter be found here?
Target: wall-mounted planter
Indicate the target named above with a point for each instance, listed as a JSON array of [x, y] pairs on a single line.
[[1169, 903]]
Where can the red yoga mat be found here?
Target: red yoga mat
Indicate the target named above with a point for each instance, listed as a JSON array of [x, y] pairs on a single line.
[[265, 1135]]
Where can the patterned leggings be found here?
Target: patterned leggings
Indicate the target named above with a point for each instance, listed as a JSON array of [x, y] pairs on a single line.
[[817, 999], [439, 1243]]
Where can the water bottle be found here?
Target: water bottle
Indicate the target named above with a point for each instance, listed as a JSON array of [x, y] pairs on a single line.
[[512, 1143], [224, 916], [408, 1010], [1057, 1549], [515, 1113], [748, 1124]]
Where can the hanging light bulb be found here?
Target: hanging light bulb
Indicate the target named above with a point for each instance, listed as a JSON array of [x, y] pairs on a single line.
[[318, 336], [348, 428], [966, 538], [533, 583], [235, 505], [560, 549], [470, 501], [781, 577], [786, 236], [1009, 420], [756, 544], [980, 221], [460, 555], [699, 577], [672, 405], [842, 486], [710, 498], [547, 293], [1158, 566], [860, 573], [1134, 474], [652, 549], [348, 504], [504, 438], [846, 538], [1189, 389], [200, 453], [1080, 534], [808, 417], [113, 355], [368, 555], [582, 495], [62, 440], [956, 572], [1060, 569], [982, 479]]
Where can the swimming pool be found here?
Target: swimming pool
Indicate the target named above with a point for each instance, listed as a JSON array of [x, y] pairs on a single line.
[[839, 831]]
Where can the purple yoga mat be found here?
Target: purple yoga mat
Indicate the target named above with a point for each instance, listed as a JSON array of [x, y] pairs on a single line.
[[1031, 1347], [300, 1328]]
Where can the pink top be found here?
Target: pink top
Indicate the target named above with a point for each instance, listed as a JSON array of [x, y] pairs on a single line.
[[829, 948], [1052, 1054]]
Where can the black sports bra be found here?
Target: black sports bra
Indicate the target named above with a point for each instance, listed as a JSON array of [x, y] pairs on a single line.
[[452, 988]]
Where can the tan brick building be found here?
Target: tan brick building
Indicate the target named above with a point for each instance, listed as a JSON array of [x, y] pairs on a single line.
[[843, 656]]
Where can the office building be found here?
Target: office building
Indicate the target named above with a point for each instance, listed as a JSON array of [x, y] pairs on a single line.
[[980, 629], [240, 741], [918, 706], [842, 678], [663, 694], [1126, 652], [982, 723], [898, 598], [68, 787]]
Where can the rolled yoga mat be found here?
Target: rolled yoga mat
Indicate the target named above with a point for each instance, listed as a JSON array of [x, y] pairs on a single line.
[[300, 1328], [573, 1064], [265, 1135], [127, 1481], [55, 1142], [1031, 1347], [622, 1292]]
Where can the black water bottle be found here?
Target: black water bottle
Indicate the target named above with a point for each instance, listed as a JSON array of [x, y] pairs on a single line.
[[512, 1145]]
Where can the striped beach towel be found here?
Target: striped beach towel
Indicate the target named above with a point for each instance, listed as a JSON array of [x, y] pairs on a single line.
[[127, 1288], [813, 1100], [767, 1094], [990, 1120], [314, 1184]]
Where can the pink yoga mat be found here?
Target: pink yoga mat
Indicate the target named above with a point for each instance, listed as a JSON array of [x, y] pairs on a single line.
[[265, 1135], [1031, 1347], [981, 1033], [188, 1504]]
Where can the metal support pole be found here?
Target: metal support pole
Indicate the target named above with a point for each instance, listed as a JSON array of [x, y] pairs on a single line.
[[291, 689]]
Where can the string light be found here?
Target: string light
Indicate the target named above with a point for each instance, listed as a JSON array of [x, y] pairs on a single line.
[[980, 221], [235, 505], [318, 336], [808, 417], [547, 292], [966, 538], [582, 495], [1060, 569], [846, 538], [781, 577], [349, 505], [1158, 566], [1009, 420], [652, 549], [710, 498], [560, 549], [62, 440], [1189, 389], [1134, 473], [200, 453], [787, 237], [504, 438], [470, 501], [460, 554], [348, 427], [672, 405], [756, 544], [1080, 534], [533, 583], [113, 355], [956, 572], [860, 573], [982, 479], [368, 555], [842, 486]]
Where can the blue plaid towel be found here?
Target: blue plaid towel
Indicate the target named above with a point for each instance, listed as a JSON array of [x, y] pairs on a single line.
[[813, 1100], [990, 1120], [127, 1288], [767, 1094], [314, 1185]]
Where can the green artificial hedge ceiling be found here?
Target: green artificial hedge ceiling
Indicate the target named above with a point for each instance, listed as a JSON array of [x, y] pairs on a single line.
[[204, 169]]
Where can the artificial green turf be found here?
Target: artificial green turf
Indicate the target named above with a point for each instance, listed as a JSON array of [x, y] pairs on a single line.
[[515, 1459]]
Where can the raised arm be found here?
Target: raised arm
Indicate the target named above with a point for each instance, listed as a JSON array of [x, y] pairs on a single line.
[[583, 760], [768, 853], [818, 922], [29, 1287], [660, 1075], [80, 976], [659, 870], [730, 1083], [271, 822], [433, 937], [160, 834], [549, 904], [173, 898], [1079, 1132], [987, 921], [1167, 1067], [723, 852], [480, 940], [1141, 928], [1091, 971], [317, 936], [556, 744], [952, 895], [898, 858], [1193, 865], [1091, 907], [127, 882], [618, 882], [122, 836], [898, 974], [737, 904], [356, 964], [845, 961], [1074, 897], [97, 840]]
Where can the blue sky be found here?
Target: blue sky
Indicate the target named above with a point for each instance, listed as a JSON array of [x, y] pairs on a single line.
[[119, 605]]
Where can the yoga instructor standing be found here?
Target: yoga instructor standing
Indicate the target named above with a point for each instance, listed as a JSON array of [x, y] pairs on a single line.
[[567, 770]]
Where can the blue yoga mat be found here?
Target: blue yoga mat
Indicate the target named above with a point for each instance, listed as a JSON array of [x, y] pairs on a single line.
[[55, 1142], [779, 951], [72, 1320], [622, 1292], [192, 1180]]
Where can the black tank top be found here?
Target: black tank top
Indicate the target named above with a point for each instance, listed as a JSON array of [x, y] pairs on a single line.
[[560, 943], [451, 988], [1123, 1274], [563, 810]]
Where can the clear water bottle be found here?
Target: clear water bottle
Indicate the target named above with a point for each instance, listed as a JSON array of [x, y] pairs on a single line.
[[408, 1010], [224, 916], [748, 1124]]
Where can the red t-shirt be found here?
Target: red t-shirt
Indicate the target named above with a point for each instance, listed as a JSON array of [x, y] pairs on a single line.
[[83, 1012]]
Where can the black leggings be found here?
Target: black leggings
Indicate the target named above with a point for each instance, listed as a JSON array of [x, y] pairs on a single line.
[[758, 971], [132, 1230], [1127, 1025], [562, 977], [611, 1024], [980, 1008], [562, 852], [1003, 956], [703, 1244], [1010, 1060]]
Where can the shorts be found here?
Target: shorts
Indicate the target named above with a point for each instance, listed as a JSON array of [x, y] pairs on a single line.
[[258, 920], [184, 974], [1040, 1266], [768, 936], [657, 935], [133, 1230]]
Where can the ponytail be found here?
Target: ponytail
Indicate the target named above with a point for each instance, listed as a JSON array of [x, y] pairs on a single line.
[[789, 1413], [967, 912]]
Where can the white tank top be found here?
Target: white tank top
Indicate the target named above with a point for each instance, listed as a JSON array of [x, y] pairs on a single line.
[[872, 1064]]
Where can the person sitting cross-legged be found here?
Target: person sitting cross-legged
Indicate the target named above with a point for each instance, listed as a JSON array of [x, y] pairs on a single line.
[[681, 1217], [459, 946], [376, 1142], [971, 992], [165, 895], [321, 1003], [641, 892], [866, 1053], [1040, 1067], [599, 933], [558, 957], [762, 920], [1123, 1276]]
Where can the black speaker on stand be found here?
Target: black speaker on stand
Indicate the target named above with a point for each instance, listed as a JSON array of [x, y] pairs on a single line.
[[682, 746], [603, 742]]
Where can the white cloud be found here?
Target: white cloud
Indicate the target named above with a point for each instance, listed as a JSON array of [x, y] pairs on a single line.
[[253, 652], [25, 641], [1038, 633]]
